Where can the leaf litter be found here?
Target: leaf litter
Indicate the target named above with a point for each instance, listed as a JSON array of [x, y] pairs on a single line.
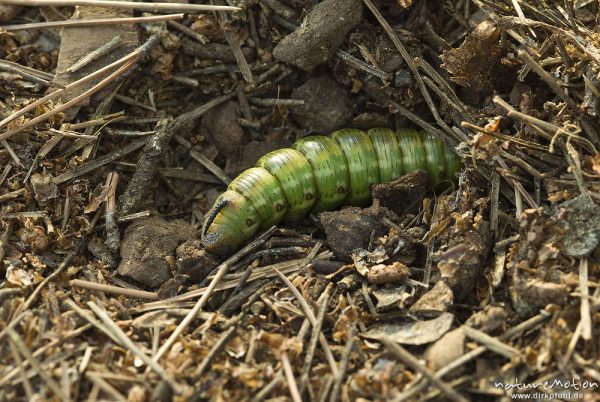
[[117, 136]]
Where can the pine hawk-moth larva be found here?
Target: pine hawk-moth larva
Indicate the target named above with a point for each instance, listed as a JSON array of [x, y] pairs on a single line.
[[321, 173]]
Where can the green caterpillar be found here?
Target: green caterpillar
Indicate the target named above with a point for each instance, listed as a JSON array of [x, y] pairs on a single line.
[[318, 174]]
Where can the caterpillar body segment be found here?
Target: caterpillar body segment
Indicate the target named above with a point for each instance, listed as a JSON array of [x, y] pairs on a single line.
[[361, 159], [329, 170], [321, 173]]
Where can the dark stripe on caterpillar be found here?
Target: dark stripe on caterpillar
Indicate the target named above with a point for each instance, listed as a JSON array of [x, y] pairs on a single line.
[[321, 173]]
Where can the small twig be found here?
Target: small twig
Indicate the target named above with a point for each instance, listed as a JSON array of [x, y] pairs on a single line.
[[101, 121], [90, 22], [584, 307], [413, 363], [117, 290], [289, 375], [112, 229], [221, 271], [204, 161], [491, 343], [22, 369], [28, 76], [312, 345], [313, 321], [190, 8], [517, 186], [236, 49], [103, 160], [216, 347], [96, 54], [181, 79], [267, 389], [129, 344], [35, 363], [579, 330], [146, 170], [106, 387], [276, 102], [12, 194], [5, 173], [189, 32], [337, 385], [200, 110]]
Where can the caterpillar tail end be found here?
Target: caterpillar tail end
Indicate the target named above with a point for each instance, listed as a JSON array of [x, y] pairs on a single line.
[[230, 222]]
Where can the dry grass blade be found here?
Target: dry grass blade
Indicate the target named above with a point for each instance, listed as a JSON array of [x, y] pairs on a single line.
[[122, 4], [413, 363], [106, 387], [449, 134], [586, 317], [491, 343], [22, 369], [35, 363], [313, 321], [90, 22], [39, 119], [113, 289], [130, 345], [289, 375], [53, 95], [486, 268], [337, 385], [221, 271]]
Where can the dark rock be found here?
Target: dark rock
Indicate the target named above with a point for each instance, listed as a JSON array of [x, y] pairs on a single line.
[[101, 251], [402, 195], [582, 219], [351, 228], [327, 106], [320, 35], [146, 245], [221, 126], [194, 261], [461, 263]]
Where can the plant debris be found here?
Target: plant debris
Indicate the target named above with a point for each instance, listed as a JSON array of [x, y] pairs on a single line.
[[120, 125]]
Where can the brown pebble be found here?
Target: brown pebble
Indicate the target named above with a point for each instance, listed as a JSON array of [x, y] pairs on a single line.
[[145, 246], [194, 261], [221, 126], [381, 274], [320, 35], [327, 105]]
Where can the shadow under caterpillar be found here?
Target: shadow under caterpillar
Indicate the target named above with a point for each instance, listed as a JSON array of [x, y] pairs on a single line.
[[321, 173]]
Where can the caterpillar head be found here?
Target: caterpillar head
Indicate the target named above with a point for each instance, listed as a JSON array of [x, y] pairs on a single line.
[[231, 221]]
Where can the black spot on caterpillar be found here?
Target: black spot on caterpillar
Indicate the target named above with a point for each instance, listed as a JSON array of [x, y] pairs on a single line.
[[321, 173]]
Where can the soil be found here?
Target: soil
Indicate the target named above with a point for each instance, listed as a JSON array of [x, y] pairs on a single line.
[[116, 139]]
